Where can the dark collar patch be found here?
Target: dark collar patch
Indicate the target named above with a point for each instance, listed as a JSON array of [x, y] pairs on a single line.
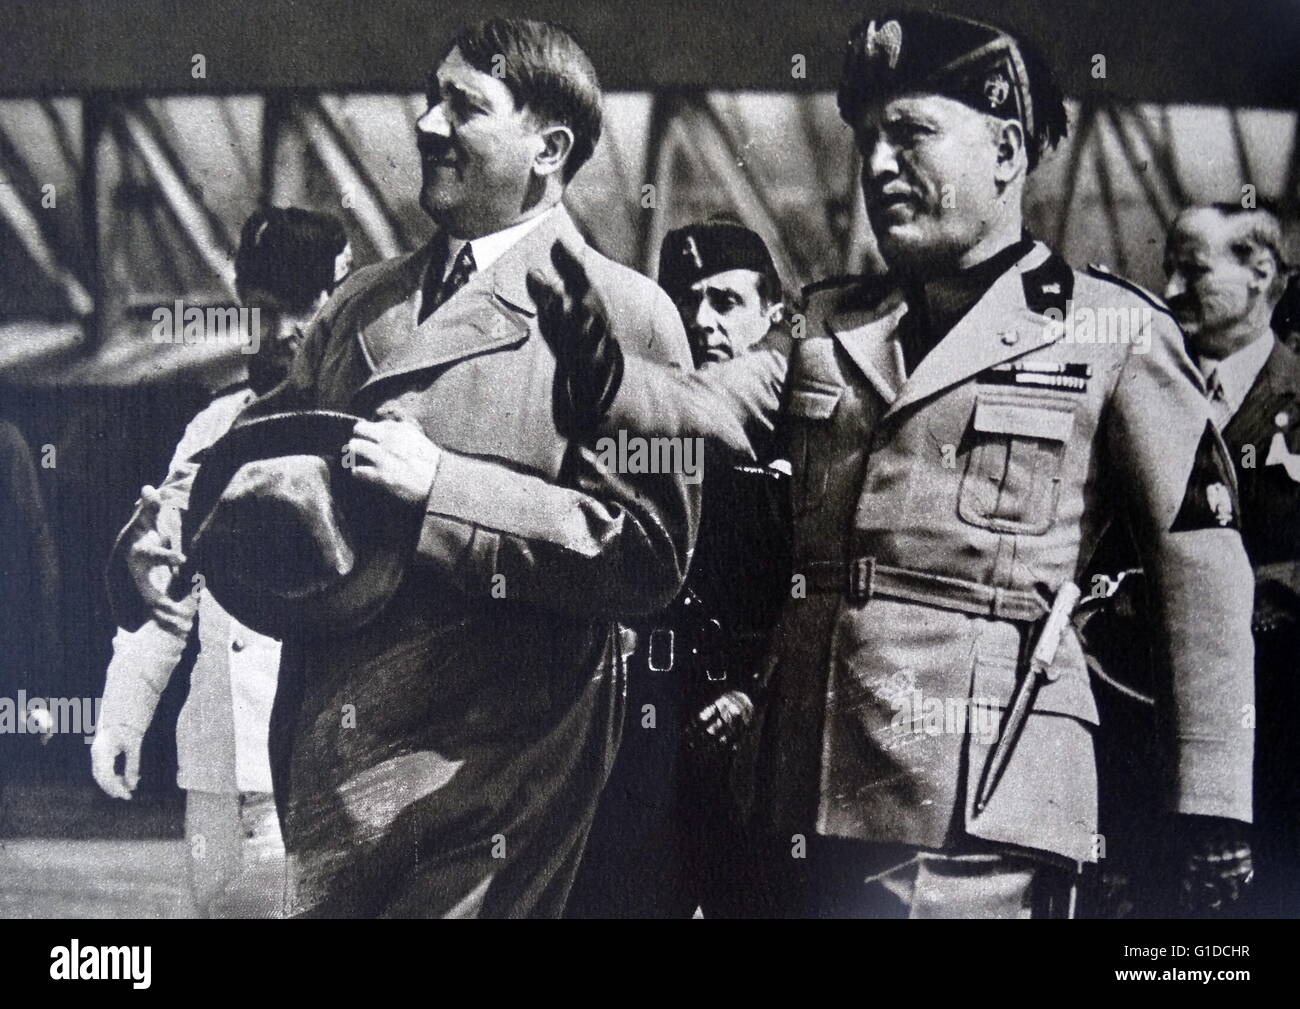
[[1049, 287], [1211, 498]]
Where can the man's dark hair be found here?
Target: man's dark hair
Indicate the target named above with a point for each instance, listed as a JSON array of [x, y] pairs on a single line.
[[289, 253], [546, 71]]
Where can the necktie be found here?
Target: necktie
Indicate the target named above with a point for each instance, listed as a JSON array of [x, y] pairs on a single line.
[[461, 270], [1219, 406]]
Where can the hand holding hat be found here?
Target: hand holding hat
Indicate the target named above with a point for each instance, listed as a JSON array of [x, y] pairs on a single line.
[[395, 456], [292, 541]]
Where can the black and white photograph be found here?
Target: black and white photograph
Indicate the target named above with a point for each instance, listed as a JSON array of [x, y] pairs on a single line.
[[614, 460]]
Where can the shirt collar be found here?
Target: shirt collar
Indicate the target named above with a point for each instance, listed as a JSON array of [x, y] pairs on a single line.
[[945, 301], [1237, 372], [487, 249]]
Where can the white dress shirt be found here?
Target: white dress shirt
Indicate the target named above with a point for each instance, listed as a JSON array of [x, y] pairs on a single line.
[[1235, 375], [489, 248]]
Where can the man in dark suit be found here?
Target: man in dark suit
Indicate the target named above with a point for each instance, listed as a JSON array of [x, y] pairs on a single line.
[[699, 664], [1226, 275], [445, 758]]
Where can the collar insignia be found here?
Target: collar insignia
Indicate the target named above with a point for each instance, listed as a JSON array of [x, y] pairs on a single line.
[[1219, 499]]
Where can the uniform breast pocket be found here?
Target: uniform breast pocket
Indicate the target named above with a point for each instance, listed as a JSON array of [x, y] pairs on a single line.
[[809, 412], [1012, 479]]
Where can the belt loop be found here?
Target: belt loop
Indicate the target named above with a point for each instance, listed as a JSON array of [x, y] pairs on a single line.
[[862, 571]]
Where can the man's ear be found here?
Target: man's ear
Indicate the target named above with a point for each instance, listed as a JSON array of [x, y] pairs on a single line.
[[1009, 136], [557, 142], [775, 314], [1263, 271]]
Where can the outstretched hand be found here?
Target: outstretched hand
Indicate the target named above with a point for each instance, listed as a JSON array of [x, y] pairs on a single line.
[[589, 361]]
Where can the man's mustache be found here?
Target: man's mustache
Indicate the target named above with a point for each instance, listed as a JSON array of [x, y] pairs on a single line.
[[433, 148], [879, 196]]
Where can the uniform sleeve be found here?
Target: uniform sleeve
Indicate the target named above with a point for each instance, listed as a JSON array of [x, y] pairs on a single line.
[[142, 663], [208, 425], [144, 659], [1177, 488], [596, 542], [206, 428], [735, 403]]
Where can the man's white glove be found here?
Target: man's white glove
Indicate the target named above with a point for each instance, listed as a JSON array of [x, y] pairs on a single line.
[[111, 740]]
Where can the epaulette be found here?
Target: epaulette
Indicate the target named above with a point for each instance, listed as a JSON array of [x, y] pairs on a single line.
[[1048, 286], [858, 291], [1104, 273], [825, 284]]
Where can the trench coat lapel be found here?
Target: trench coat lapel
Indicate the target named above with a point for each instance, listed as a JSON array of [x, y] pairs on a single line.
[[999, 328], [492, 310]]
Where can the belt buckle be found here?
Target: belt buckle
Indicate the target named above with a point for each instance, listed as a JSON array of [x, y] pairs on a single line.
[[861, 571], [659, 654]]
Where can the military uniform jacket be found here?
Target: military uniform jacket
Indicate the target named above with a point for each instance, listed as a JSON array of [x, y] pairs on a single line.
[[221, 730], [446, 758], [929, 509]]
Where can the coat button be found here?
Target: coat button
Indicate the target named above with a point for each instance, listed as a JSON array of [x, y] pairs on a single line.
[[1010, 338], [236, 644]]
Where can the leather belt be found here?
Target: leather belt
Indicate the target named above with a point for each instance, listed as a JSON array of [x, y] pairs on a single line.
[[863, 577]]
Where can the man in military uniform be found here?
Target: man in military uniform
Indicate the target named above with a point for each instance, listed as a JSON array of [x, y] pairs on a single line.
[[961, 432], [1226, 275], [699, 664], [728, 293]]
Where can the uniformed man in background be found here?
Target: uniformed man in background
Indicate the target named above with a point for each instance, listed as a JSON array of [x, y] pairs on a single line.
[[961, 433], [728, 293], [700, 663], [1227, 273]]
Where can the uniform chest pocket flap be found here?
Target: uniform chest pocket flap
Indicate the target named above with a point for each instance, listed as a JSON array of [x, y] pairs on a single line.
[[1012, 479], [811, 406]]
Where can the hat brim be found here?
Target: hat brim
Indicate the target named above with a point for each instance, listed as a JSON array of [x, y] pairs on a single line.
[[384, 538]]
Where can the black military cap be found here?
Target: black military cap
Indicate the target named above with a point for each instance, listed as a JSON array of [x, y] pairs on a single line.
[[971, 62], [700, 250]]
